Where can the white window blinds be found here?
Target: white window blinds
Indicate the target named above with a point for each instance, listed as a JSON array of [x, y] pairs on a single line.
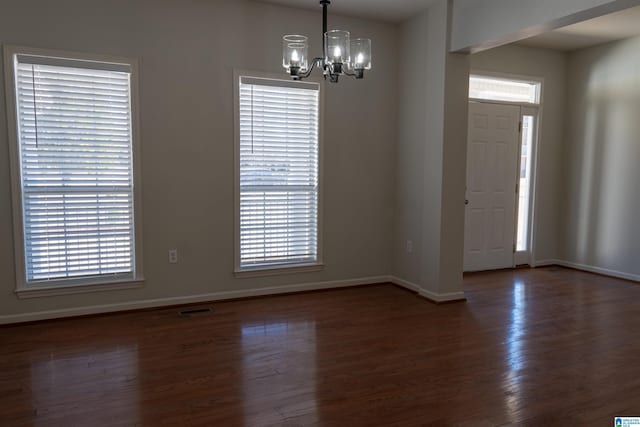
[[278, 172], [75, 153]]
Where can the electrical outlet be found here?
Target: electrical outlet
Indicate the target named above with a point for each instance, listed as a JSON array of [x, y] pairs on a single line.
[[173, 256], [409, 246]]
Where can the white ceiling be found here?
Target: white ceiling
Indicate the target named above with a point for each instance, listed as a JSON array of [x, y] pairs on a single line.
[[381, 10], [615, 26], [607, 28]]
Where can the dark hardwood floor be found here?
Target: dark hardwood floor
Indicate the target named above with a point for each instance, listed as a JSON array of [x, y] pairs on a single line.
[[540, 347]]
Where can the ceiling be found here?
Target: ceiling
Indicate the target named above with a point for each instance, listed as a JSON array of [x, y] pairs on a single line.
[[607, 28], [382, 10]]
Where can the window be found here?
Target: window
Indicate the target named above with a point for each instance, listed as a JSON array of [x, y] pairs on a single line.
[[278, 178], [525, 184], [73, 157], [502, 89]]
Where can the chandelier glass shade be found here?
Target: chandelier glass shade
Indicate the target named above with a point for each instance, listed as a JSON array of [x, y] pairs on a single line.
[[341, 54], [295, 52]]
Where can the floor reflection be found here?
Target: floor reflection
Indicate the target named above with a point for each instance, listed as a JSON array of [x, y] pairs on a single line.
[[276, 328], [515, 356], [73, 384], [279, 362]]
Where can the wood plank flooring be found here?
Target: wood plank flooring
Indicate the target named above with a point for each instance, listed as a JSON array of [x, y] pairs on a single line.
[[539, 347]]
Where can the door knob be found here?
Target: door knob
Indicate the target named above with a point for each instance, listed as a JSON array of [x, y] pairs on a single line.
[[466, 201]]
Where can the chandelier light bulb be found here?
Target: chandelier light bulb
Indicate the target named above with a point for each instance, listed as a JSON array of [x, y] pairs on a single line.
[[337, 53], [294, 56]]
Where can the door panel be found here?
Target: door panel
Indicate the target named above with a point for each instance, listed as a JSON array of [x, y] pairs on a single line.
[[475, 238], [492, 163]]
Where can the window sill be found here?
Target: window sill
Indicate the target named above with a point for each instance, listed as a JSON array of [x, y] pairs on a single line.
[[277, 270], [36, 291]]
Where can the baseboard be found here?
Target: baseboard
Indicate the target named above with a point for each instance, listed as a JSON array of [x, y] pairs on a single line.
[[404, 284], [599, 270], [440, 298], [544, 263], [190, 299], [589, 269], [431, 296]]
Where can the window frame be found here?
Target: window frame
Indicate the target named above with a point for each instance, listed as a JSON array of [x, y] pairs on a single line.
[[282, 268], [23, 288], [538, 81]]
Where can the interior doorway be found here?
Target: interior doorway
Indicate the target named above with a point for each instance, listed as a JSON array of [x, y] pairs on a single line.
[[504, 114]]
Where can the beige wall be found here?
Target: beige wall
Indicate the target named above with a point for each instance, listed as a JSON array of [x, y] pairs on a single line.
[[431, 159], [394, 149], [602, 202], [551, 66], [188, 50], [411, 146]]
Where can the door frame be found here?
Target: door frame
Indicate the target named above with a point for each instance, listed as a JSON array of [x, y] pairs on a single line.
[[526, 109], [527, 256], [508, 187]]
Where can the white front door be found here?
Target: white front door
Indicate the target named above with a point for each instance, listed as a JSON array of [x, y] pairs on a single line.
[[492, 163]]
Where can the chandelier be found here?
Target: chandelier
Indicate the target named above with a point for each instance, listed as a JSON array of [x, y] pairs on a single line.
[[341, 54]]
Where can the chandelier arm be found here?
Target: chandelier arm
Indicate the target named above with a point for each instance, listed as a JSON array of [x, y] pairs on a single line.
[[314, 62], [358, 73], [333, 77]]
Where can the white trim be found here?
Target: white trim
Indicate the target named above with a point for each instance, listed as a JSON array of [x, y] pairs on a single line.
[[588, 269], [432, 296], [11, 54], [237, 74], [499, 102], [539, 108], [136, 164], [201, 298], [81, 57], [597, 270], [50, 291], [276, 270], [533, 182], [545, 263], [536, 110], [69, 60], [279, 81], [319, 264], [14, 166], [524, 257], [22, 288], [448, 297], [225, 295], [404, 283]]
